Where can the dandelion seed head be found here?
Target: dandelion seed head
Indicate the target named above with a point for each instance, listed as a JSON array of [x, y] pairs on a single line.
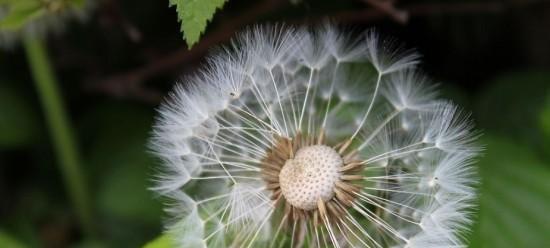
[[310, 176], [292, 135]]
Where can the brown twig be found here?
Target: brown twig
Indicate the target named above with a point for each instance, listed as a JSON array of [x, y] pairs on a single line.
[[431, 9], [388, 7], [462, 8], [435, 9], [129, 83]]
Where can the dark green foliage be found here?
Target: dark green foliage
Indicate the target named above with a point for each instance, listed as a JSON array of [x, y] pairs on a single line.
[[478, 50], [514, 197], [19, 121]]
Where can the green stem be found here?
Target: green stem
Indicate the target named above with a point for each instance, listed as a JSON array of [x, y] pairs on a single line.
[[60, 130]]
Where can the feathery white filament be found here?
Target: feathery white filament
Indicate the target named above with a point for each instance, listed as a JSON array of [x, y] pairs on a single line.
[[412, 152]]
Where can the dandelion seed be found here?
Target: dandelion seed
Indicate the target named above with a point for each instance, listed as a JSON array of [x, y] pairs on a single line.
[[299, 138]]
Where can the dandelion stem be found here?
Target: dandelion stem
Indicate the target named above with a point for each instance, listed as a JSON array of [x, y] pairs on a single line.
[[60, 130]]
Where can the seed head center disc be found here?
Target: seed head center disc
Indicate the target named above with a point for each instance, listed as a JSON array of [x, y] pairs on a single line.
[[310, 175]]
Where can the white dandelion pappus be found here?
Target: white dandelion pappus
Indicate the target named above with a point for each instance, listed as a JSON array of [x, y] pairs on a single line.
[[292, 137]]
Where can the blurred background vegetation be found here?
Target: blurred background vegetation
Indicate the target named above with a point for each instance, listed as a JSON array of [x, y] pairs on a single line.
[[74, 168]]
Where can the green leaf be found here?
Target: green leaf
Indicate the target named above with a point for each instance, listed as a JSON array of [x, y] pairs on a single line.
[[78, 3], [18, 120], [119, 151], [117, 135], [511, 106], [9, 241], [545, 118], [194, 16], [20, 13], [91, 243], [162, 241], [514, 197]]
